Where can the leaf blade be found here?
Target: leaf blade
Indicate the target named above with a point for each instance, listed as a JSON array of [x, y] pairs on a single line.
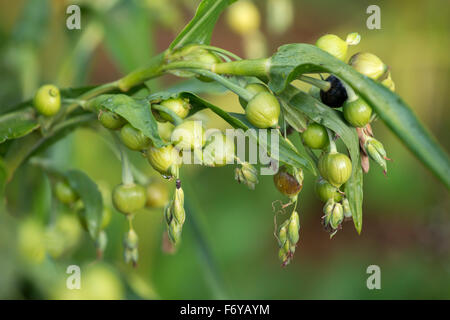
[[199, 29], [17, 124], [91, 197], [354, 193], [136, 112]]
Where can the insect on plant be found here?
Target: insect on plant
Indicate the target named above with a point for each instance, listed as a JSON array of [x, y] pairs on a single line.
[[347, 94]]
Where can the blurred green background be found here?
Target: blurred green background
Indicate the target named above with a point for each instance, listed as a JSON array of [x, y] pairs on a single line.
[[228, 250]]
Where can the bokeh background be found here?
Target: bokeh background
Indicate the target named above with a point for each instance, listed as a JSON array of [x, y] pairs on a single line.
[[228, 249]]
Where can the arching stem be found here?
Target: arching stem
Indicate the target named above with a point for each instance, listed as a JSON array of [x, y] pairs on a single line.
[[127, 175], [241, 92], [321, 84]]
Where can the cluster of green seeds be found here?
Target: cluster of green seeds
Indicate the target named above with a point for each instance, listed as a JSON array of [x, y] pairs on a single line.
[[262, 110]]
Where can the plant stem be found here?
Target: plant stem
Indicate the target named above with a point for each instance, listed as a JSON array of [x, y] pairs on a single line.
[[127, 175], [107, 87], [251, 68], [130, 222], [241, 92], [180, 65], [74, 101], [321, 84]]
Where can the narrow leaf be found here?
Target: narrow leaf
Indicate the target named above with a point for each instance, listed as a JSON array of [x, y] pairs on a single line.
[[200, 28], [91, 197], [17, 124], [354, 194], [295, 118]]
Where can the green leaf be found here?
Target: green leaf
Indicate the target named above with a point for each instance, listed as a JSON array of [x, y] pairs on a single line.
[[91, 197], [286, 155], [17, 124], [294, 117], [200, 28], [354, 194], [294, 59], [136, 112], [332, 119], [18, 151]]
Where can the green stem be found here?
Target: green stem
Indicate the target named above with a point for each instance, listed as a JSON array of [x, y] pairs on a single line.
[[321, 84], [180, 65], [73, 101], [241, 92], [107, 87], [251, 68], [127, 175], [130, 222]]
